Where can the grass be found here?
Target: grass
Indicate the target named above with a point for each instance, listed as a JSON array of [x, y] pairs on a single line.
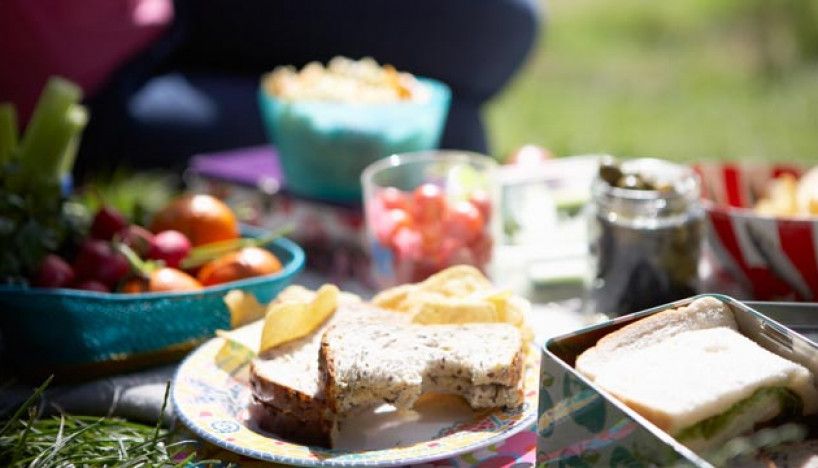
[[679, 80]]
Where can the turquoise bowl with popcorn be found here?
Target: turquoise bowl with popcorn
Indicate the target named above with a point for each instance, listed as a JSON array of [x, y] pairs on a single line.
[[324, 146]]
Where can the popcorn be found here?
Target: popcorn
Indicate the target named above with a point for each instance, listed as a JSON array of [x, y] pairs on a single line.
[[344, 80]]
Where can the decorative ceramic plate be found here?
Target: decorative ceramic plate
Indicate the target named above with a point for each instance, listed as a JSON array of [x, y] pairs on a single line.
[[211, 393]]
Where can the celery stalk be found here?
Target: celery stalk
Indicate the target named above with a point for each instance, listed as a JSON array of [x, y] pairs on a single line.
[[78, 119], [50, 130], [8, 131]]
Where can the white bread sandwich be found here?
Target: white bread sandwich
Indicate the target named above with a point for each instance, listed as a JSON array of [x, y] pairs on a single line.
[[691, 373], [369, 365], [288, 388]]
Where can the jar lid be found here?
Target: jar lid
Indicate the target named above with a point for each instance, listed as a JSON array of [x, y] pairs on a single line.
[[678, 196]]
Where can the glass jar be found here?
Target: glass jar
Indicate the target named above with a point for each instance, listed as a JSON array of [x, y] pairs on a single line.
[[644, 243]]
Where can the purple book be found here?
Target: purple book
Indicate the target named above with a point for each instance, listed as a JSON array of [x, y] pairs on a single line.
[[255, 166]]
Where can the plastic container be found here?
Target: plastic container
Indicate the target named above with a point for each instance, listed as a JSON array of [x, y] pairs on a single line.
[[324, 146], [81, 333], [772, 258]]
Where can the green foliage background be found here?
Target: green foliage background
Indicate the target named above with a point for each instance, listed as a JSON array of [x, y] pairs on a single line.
[[689, 80]]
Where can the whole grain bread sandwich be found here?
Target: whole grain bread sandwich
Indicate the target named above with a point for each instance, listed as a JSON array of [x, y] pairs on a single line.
[[368, 365], [363, 357], [288, 388]]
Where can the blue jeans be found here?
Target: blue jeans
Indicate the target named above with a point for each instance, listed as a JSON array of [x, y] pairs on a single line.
[[195, 90]]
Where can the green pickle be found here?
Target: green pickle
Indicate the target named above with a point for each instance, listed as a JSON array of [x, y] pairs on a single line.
[[646, 233]]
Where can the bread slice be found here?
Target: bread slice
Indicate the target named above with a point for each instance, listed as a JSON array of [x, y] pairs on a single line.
[[369, 365], [706, 312], [682, 367], [287, 385]]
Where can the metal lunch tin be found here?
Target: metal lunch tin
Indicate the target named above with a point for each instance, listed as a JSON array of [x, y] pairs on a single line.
[[581, 425]]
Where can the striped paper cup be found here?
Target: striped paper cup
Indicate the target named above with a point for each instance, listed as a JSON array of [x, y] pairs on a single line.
[[774, 258]]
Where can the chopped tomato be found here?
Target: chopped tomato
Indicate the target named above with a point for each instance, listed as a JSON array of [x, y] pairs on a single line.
[[391, 223], [464, 221], [429, 203], [392, 198]]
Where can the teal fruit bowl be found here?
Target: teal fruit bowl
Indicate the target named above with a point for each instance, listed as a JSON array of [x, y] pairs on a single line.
[[77, 333], [324, 146]]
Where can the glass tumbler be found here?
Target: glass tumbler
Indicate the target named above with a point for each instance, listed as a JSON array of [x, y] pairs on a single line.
[[427, 211]]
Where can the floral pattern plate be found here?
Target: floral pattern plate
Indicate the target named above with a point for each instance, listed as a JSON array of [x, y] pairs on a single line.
[[211, 392]]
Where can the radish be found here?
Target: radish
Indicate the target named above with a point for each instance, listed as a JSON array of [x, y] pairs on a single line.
[[137, 238], [91, 285], [169, 246], [106, 223], [54, 272], [98, 260]]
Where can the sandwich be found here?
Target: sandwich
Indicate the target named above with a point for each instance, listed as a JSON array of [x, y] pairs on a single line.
[[363, 357], [376, 363], [691, 372], [287, 386]]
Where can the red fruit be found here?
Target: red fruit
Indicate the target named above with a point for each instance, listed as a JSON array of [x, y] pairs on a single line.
[[429, 203], [106, 223], [245, 263], [169, 246], [390, 222], [481, 200], [464, 221], [392, 198], [432, 235], [98, 260], [452, 251], [54, 272], [90, 285], [481, 248], [408, 244], [137, 238]]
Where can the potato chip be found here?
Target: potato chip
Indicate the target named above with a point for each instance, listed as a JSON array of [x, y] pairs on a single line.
[[393, 298], [287, 320], [460, 294], [453, 311], [295, 293], [243, 307], [457, 281], [240, 346], [781, 199], [460, 280], [808, 192]]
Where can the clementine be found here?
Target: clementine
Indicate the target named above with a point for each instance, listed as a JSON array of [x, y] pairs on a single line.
[[201, 218]]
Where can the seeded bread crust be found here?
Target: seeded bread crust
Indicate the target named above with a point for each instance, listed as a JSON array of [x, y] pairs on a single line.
[[497, 387], [275, 393], [296, 427]]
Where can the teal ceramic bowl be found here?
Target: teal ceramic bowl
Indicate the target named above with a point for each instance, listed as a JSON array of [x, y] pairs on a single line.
[[67, 331], [324, 146]]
